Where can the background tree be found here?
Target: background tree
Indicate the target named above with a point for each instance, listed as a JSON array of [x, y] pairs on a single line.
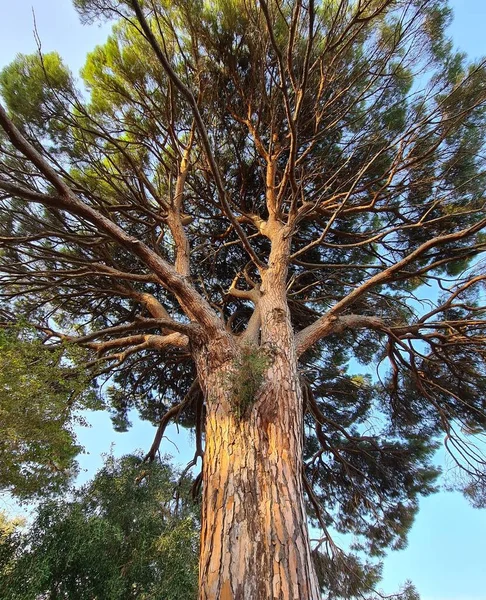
[[42, 392], [122, 535], [253, 196], [10, 542]]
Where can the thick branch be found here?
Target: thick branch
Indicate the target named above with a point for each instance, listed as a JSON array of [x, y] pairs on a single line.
[[191, 301], [141, 341], [323, 326], [332, 325], [187, 330]]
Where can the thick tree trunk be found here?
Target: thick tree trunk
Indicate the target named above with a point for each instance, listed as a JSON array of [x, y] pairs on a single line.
[[254, 543]]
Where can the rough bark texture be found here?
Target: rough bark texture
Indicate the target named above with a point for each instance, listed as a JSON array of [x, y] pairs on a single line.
[[255, 542], [254, 539]]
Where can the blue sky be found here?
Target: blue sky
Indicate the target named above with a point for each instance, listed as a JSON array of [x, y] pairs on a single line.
[[445, 554]]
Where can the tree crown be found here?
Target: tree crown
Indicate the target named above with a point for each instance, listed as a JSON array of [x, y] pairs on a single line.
[[342, 140]]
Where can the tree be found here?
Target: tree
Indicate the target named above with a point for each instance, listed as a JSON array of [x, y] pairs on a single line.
[[253, 195], [10, 541], [131, 540], [42, 394]]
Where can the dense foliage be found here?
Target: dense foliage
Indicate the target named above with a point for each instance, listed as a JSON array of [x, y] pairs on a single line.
[[42, 394], [121, 536], [128, 217]]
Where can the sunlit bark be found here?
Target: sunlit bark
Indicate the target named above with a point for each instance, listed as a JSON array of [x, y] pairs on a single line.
[[255, 542]]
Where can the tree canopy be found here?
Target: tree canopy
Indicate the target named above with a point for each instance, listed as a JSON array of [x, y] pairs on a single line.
[[338, 141]]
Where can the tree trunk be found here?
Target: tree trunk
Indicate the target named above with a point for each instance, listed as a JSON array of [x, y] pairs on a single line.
[[254, 541]]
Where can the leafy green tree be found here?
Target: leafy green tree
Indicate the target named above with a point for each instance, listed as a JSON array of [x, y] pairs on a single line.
[[42, 392], [254, 197], [121, 536], [10, 543]]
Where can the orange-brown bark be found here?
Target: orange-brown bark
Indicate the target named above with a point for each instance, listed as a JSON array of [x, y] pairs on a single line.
[[254, 542]]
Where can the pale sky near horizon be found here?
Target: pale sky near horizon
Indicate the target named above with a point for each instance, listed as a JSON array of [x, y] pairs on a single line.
[[445, 554]]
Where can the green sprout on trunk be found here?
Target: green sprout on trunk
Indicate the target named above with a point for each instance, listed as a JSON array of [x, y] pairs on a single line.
[[246, 379]]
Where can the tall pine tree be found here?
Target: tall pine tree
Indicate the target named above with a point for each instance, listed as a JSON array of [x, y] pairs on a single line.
[[253, 196]]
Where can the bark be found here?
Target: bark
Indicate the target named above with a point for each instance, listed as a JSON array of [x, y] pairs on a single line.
[[254, 541]]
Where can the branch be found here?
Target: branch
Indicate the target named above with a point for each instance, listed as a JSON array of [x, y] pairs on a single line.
[[187, 94], [140, 324], [324, 326], [173, 412], [135, 344], [250, 335], [174, 217], [252, 331], [253, 294], [330, 325], [191, 301], [141, 341]]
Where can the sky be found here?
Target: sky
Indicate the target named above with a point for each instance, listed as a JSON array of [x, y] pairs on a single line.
[[445, 553]]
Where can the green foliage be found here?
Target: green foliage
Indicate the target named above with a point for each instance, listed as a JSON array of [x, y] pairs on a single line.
[[10, 544], [121, 536], [246, 378], [38, 89], [343, 576], [376, 129], [42, 392], [475, 490]]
